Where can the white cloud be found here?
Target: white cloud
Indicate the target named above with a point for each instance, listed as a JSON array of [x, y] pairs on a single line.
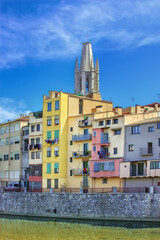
[[58, 31], [10, 109]]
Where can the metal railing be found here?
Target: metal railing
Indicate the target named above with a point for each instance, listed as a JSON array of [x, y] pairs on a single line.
[[83, 123], [82, 137], [146, 151], [80, 154], [80, 171]]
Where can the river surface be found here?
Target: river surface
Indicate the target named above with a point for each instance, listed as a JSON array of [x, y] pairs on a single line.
[[16, 229]]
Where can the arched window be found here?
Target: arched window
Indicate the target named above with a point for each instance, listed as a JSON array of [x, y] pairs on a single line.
[[87, 84]]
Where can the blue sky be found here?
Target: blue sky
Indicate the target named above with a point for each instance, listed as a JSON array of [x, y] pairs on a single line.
[[40, 40]]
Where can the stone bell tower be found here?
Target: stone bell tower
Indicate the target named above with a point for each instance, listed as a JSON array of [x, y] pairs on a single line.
[[87, 77]]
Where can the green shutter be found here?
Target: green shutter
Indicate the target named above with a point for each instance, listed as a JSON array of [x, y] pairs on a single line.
[[56, 134], [48, 167], [49, 134], [56, 165]]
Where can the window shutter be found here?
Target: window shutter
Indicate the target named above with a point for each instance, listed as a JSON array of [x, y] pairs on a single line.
[[111, 166], [56, 134], [56, 165], [48, 167], [49, 134], [96, 167]]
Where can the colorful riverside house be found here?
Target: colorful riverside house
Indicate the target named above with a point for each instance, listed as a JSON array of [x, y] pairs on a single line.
[[107, 149], [35, 151], [141, 166], [55, 113], [11, 167]]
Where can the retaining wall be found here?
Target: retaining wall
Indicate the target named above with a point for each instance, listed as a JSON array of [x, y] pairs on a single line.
[[86, 205]]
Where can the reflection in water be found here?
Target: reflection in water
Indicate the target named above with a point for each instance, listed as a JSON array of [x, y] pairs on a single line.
[[16, 229]]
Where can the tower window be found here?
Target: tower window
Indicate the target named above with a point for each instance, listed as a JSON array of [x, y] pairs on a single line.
[[87, 83]]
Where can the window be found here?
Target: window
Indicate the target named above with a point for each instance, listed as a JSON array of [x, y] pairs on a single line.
[[56, 151], [38, 127], [115, 150], [17, 127], [32, 155], [16, 139], [159, 142], [37, 155], [56, 120], [135, 130], [71, 159], [151, 129], [94, 148], [56, 105], [49, 135], [11, 140], [1, 157], [85, 132], [56, 167], [85, 149], [131, 147], [104, 181], [49, 121], [2, 142], [71, 129], [35, 170], [94, 134], [70, 173], [49, 106], [48, 152], [158, 125], [150, 148], [115, 121], [7, 129], [71, 143], [16, 156], [117, 132], [80, 106], [32, 141], [37, 140], [11, 156], [48, 183], [48, 167], [56, 134], [6, 157], [155, 165], [7, 141], [2, 130], [100, 123], [55, 183], [108, 122], [101, 166], [12, 128], [33, 128]]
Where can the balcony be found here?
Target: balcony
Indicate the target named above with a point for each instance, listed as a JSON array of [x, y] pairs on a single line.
[[146, 151], [85, 123], [35, 146], [138, 170], [84, 184], [80, 154], [80, 171], [82, 137], [105, 141], [103, 155]]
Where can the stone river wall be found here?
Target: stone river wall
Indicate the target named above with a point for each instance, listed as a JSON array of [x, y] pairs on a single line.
[[87, 205]]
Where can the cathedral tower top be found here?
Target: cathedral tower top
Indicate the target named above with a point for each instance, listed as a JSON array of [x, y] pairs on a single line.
[[87, 76]]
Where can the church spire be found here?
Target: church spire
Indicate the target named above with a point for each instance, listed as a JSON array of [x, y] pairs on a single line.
[[87, 78]]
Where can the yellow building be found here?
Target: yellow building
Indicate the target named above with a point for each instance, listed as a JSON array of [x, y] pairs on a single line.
[[54, 167], [11, 150]]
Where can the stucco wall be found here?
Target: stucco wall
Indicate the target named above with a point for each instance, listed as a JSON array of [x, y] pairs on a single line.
[[96, 205]]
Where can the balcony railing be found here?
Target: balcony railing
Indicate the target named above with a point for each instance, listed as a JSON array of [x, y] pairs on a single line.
[[84, 184], [80, 154], [81, 137], [81, 171], [146, 151], [35, 146], [105, 140], [84, 123]]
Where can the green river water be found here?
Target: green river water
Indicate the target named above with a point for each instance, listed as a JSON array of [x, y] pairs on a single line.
[[16, 229]]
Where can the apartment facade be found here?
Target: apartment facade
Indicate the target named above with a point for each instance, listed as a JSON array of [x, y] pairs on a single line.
[[35, 150], [55, 113], [142, 153], [107, 149], [10, 151], [25, 157]]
